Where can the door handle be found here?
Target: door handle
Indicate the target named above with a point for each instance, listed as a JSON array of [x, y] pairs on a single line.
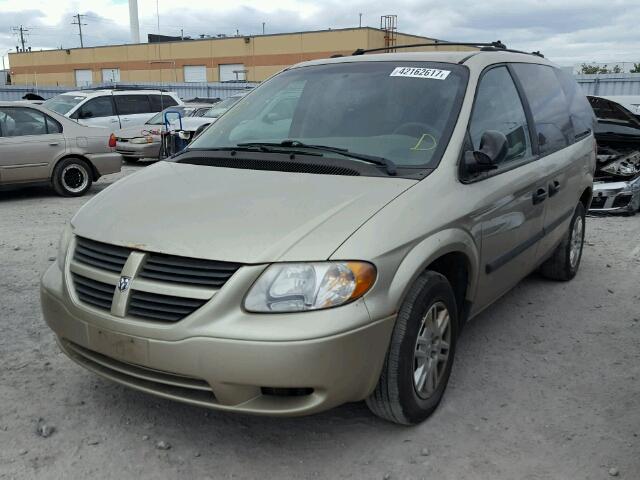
[[554, 187], [54, 144], [539, 196]]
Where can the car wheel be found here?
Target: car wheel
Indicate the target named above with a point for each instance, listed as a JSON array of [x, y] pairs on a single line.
[[565, 261], [72, 177], [418, 363]]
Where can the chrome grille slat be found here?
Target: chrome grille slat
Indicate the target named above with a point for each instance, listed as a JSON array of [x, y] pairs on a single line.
[[162, 307], [192, 271], [92, 292]]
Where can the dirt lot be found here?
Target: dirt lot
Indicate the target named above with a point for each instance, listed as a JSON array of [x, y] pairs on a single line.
[[546, 385]]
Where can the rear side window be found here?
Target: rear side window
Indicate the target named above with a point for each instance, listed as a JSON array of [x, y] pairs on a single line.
[[96, 108], [160, 102], [580, 111], [498, 107], [19, 122], [132, 104], [548, 105]]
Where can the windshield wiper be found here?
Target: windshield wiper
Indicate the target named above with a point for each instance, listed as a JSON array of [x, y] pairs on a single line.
[[253, 147], [384, 162]]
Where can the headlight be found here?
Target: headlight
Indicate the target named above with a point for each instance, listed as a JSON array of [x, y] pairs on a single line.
[[63, 245], [297, 287], [147, 139]]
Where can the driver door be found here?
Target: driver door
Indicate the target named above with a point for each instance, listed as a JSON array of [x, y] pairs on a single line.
[[508, 213], [98, 112]]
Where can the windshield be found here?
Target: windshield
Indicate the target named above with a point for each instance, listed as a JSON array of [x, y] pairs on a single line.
[[221, 107], [402, 111], [158, 118], [63, 103]]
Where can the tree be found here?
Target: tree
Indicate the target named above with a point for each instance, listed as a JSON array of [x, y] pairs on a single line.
[[593, 69], [635, 69], [616, 69]]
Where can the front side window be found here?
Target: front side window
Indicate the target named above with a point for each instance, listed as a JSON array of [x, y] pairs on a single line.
[[581, 113], [160, 102], [19, 122], [498, 107], [96, 108], [549, 106], [132, 104], [402, 111]]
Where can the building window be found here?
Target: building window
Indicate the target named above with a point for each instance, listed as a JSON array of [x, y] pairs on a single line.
[[110, 75], [232, 72], [84, 78], [195, 73]]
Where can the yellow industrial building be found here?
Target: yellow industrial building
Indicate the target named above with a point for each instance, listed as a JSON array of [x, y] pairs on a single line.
[[251, 58]]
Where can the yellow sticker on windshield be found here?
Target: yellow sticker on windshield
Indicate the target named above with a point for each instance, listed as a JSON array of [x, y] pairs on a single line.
[[418, 72]]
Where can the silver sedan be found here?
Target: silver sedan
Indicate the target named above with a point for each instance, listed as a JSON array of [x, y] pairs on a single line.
[[39, 146]]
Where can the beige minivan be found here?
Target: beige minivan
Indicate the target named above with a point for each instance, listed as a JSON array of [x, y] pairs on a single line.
[[332, 250]]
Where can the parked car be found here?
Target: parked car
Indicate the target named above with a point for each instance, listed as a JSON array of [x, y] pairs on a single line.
[[335, 258], [617, 182], [137, 142], [112, 108], [177, 138], [40, 146]]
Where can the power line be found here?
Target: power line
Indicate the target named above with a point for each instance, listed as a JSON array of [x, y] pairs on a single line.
[[21, 30], [78, 21]]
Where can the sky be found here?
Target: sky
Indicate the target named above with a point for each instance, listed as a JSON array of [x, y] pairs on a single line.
[[568, 32]]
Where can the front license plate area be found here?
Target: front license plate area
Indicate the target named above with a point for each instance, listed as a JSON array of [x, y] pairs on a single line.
[[116, 345]]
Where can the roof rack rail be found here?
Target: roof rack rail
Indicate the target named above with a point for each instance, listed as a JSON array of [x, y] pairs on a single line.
[[496, 46], [125, 87]]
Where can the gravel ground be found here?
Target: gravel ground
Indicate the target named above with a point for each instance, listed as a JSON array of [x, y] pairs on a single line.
[[546, 385]]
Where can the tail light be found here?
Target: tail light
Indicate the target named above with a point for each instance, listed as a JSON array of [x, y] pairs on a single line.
[[112, 141]]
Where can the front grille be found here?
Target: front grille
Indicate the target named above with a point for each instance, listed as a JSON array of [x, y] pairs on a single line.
[[92, 292], [165, 308], [622, 200], [191, 271], [100, 255], [159, 269]]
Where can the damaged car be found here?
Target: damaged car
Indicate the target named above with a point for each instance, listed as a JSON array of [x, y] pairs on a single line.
[[616, 187]]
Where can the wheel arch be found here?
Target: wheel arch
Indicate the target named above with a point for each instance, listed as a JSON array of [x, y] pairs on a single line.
[[94, 172], [452, 253]]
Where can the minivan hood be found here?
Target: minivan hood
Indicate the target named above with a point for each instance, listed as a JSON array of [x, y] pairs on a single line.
[[226, 214]]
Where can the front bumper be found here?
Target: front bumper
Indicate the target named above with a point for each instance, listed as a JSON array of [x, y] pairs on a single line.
[[140, 150], [616, 197], [268, 377]]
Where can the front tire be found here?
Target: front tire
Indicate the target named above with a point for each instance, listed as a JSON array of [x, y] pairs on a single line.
[[72, 177], [418, 363], [565, 261]]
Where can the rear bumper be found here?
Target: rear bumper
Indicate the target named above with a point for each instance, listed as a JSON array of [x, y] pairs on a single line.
[[106, 163], [220, 373], [616, 197]]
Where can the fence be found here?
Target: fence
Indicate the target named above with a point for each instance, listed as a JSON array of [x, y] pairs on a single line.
[[610, 84], [185, 91]]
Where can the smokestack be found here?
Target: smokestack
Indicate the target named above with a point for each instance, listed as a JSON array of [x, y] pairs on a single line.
[[133, 21]]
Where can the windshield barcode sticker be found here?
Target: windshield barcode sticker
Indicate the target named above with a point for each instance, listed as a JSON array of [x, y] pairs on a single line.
[[417, 72]]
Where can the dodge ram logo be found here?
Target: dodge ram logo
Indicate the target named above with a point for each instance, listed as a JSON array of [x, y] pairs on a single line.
[[123, 284]]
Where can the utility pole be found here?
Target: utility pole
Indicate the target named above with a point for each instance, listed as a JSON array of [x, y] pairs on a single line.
[[78, 21], [21, 31], [360, 25], [263, 27]]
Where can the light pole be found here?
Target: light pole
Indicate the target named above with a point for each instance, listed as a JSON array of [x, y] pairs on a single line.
[[4, 69]]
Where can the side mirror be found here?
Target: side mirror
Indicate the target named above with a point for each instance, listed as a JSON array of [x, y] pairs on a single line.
[[493, 150]]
